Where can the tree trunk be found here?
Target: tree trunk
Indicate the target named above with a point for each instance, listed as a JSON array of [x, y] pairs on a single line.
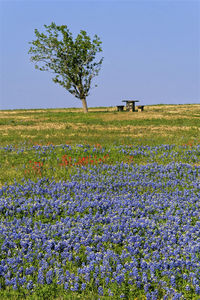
[[85, 108]]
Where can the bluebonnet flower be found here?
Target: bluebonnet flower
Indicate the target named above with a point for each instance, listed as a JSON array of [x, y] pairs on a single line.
[[30, 270], [100, 290], [119, 279], [185, 276], [97, 281], [197, 289], [21, 281], [110, 293], [146, 287], [107, 280], [144, 277], [30, 285], [187, 287], [195, 281], [83, 286], [177, 296], [1, 270], [66, 286], [75, 287], [49, 276], [148, 296], [138, 283], [173, 281], [40, 276]]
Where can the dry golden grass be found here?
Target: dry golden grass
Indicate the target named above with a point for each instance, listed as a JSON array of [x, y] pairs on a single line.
[[105, 128], [158, 121], [7, 114], [40, 126], [17, 112], [168, 112]]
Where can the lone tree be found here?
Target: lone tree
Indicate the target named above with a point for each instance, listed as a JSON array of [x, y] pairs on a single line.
[[72, 61]]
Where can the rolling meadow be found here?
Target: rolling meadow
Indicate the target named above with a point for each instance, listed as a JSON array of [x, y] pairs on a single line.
[[103, 205]]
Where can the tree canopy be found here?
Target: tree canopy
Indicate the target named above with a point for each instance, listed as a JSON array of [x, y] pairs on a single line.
[[72, 61]]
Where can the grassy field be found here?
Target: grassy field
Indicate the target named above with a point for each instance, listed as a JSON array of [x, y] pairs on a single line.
[[177, 125], [100, 206], [172, 124]]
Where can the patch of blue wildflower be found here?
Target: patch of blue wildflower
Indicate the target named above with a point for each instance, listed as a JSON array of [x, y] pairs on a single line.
[[123, 230]]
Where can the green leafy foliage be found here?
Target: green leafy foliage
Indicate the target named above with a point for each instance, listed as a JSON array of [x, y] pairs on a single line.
[[72, 61]]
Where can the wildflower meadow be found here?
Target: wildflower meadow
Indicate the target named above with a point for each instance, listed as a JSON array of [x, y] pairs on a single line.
[[82, 221]]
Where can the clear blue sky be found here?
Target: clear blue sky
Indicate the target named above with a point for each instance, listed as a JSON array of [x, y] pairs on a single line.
[[151, 51]]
